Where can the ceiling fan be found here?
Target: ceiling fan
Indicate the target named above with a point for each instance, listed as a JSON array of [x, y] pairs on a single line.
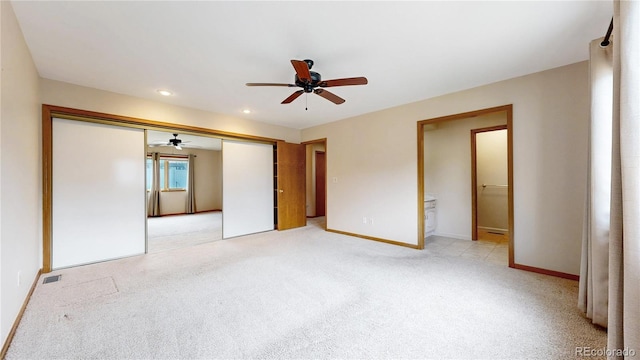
[[175, 142], [311, 81]]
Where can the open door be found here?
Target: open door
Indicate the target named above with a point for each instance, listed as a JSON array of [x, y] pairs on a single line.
[[290, 185]]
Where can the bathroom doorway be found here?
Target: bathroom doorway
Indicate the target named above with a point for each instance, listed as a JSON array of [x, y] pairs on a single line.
[[445, 177], [489, 184]]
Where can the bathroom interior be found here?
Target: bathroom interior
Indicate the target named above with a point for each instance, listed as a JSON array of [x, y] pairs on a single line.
[[466, 182]]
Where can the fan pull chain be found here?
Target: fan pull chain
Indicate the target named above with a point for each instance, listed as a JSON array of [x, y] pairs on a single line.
[[306, 101]]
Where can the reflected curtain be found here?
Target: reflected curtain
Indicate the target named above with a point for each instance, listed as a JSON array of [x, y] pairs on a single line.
[[594, 268], [153, 207], [191, 196], [624, 248]]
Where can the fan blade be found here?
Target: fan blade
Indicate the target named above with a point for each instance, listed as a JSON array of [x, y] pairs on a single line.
[[302, 70], [329, 96], [292, 97], [191, 146], [344, 82], [270, 84]]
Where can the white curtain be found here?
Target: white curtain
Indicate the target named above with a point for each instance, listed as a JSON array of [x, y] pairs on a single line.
[[153, 207], [191, 194], [594, 270], [624, 247], [610, 271]]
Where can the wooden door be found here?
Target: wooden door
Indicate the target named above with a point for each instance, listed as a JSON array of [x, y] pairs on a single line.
[[290, 161], [321, 166]]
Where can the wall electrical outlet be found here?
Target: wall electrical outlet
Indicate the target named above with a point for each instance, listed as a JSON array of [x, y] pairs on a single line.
[[364, 219], [371, 221]]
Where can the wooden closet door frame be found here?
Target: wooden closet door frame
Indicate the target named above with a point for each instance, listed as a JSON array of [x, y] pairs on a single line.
[[51, 111]]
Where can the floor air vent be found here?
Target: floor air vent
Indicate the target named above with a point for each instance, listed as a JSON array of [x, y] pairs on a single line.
[[50, 279]]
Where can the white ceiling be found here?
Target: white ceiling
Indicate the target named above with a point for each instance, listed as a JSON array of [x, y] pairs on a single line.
[[206, 51]]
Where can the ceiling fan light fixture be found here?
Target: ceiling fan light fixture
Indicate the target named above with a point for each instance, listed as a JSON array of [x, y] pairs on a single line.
[[164, 92], [311, 82], [246, 111], [178, 147]]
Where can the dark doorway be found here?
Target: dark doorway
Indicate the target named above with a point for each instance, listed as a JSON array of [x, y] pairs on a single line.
[[321, 170]]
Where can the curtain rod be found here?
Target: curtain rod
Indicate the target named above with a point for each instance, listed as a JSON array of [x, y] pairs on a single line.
[[606, 42]]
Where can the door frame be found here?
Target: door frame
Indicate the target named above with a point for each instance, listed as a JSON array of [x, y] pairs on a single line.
[[474, 176], [324, 199], [51, 111], [420, 200], [326, 185]]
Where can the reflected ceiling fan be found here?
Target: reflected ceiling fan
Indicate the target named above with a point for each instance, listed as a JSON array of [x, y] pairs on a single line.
[[175, 142], [311, 81]]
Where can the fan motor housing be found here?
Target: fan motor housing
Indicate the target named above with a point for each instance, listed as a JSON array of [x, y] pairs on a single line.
[[308, 87]]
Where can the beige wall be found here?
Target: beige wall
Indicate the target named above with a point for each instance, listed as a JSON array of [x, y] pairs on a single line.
[[208, 182], [80, 97], [21, 179], [311, 150], [374, 157], [447, 171]]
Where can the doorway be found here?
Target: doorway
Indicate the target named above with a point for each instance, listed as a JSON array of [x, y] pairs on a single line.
[[176, 222], [321, 178], [489, 179], [316, 180], [445, 181]]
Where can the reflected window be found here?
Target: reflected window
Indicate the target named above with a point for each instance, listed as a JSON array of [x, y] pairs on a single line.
[[173, 173]]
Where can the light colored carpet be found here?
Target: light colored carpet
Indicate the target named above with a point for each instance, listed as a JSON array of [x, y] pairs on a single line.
[[178, 231], [302, 293]]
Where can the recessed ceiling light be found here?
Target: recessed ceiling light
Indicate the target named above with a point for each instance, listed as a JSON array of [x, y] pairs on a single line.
[[165, 92], [246, 111]]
